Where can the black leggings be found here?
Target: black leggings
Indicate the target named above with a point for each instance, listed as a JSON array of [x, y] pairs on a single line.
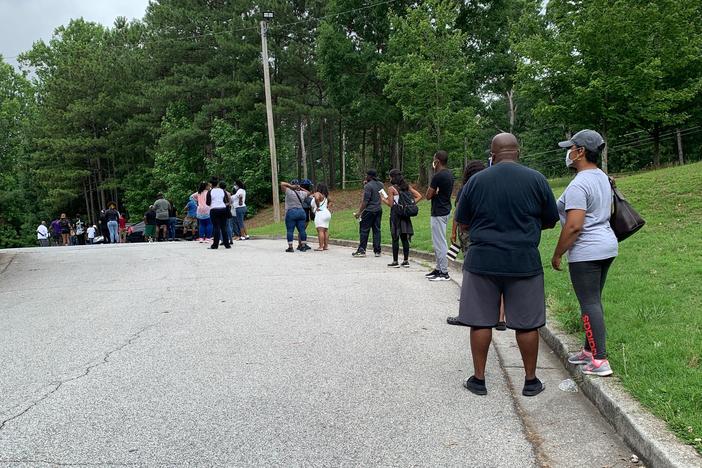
[[588, 280], [396, 246]]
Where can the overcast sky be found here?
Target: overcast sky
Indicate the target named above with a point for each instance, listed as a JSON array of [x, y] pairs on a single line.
[[24, 21]]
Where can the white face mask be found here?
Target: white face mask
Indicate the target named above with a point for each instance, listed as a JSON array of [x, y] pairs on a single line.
[[568, 161]]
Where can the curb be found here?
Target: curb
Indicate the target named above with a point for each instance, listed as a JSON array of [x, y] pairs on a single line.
[[646, 435]]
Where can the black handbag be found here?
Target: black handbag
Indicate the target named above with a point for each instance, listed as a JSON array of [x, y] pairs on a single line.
[[624, 221]]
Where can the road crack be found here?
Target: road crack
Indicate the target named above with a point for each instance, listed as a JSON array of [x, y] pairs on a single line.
[[56, 386]]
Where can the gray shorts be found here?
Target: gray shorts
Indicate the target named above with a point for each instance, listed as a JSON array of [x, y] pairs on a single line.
[[525, 303]]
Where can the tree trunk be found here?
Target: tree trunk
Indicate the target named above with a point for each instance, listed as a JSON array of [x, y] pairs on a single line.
[[512, 109], [465, 152], [332, 158], [605, 151], [376, 146], [396, 148], [90, 195], [656, 145], [310, 158], [343, 160], [681, 158], [99, 180], [87, 204], [302, 147], [364, 166], [321, 148], [299, 150]]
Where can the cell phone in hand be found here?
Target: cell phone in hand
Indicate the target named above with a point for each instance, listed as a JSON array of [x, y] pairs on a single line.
[[383, 193]]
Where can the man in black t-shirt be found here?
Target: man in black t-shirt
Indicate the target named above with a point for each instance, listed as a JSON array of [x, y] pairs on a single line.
[[506, 207], [369, 214], [439, 192]]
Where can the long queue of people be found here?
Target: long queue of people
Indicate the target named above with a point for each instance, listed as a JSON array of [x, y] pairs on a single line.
[[500, 213]]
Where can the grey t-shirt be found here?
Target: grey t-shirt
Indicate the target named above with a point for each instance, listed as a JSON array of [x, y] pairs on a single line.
[[292, 200], [161, 206], [371, 196], [590, 191]]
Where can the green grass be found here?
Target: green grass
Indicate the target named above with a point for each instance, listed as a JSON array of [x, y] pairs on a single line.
[[653, 297]]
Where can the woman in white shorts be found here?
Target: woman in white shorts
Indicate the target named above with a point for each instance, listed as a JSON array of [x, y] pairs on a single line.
[[322, 216]]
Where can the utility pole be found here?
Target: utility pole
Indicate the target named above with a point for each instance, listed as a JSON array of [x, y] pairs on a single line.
[[269, 113]]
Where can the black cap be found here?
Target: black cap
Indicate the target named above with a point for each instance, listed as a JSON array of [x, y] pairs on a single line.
[[372, 173], [588, 139]]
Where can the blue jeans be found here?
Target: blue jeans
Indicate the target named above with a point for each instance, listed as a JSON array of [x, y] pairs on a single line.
[[295, 218], [240, 215], [171, 228], [205, 227], [232, 228], [113, 227]]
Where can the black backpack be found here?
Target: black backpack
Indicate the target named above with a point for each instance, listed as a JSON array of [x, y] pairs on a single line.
[[406, 206]]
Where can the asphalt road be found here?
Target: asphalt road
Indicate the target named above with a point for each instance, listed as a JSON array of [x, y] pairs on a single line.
[[173, 354]]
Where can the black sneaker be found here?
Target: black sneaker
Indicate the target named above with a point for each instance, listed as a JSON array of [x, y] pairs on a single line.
[[305, 248], [290, 250], [394, 265], [299, 247], [440, 277], [501, 326], [474, 386], [432, 273], [358, 253], [533, 388], [405, 264], [377, 254]]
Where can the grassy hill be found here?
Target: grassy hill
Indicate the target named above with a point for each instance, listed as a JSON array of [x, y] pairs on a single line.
[[653, 298]]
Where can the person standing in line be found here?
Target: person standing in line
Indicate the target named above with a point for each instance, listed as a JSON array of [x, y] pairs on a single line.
[[150, 224], [462, 235], [203, 212], [172, 220], [122, 224], [585, 209], [439, 192], [43, 235], [91, 234], [295, 217], [190, 220], [80, 230], [322, 216], [217, 200], [56, 232], [102, 223], [506, 207], [400, 193], [239, 204], [112, 217], [65, 225], [370, 214], [162, 207]]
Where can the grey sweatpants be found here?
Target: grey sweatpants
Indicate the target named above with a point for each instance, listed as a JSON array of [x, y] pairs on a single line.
[[438, 240]]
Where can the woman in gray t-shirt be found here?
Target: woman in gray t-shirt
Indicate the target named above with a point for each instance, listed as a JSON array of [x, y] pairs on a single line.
[[295, 216], [585, 208]]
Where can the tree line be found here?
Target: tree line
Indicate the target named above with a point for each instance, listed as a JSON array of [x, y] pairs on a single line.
[[119, 113]]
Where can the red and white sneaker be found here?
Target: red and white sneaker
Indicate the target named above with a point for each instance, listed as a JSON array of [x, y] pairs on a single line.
[[583, 357], [598, 367]]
